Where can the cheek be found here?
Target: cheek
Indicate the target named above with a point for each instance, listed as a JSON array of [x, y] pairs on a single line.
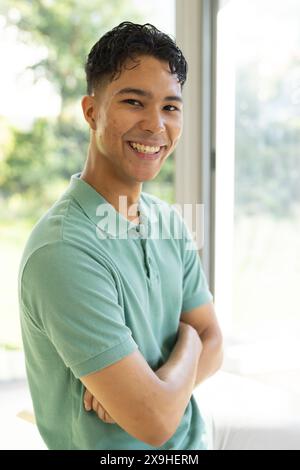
[[176, 131], [115, 130], [179, 124], [178, 135], [175, 123]]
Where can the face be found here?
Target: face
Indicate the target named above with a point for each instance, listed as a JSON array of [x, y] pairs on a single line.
[[135, 131]]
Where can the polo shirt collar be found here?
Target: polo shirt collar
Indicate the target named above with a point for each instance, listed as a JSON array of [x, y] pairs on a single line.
[[91, 201]]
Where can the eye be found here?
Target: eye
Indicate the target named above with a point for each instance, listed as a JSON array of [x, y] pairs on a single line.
[[131, 101], [171, 106]]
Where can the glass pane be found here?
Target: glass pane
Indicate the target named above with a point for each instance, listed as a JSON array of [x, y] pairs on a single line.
[[258, 173]]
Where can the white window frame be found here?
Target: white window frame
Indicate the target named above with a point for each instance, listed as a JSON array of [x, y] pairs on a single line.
[[195, 153]]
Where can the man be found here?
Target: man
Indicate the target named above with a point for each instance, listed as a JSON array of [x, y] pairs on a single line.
[[115, 320]]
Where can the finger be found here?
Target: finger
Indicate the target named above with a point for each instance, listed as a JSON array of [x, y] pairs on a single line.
[[103, 415], [87, 399], [95, 404], [108, 418], [101, 412]]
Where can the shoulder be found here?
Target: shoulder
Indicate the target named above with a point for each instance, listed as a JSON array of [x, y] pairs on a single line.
[[63, 229]]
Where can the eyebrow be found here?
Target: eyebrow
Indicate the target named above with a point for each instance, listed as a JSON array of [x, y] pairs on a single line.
[[146, 94]]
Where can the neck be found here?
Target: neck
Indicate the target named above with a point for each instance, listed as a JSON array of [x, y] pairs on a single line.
[[104, 179]]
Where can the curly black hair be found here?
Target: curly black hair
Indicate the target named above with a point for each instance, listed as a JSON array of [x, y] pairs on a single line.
[[129, 40]]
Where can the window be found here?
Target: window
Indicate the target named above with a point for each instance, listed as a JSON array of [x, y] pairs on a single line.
[[257, 268]]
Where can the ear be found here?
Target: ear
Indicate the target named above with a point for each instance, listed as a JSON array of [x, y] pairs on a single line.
[[88, 104]]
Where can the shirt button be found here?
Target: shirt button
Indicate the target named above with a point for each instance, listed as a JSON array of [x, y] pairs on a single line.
[[132, 234]]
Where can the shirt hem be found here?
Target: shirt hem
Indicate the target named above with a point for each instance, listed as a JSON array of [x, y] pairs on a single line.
[[105, 358], [198, 299]]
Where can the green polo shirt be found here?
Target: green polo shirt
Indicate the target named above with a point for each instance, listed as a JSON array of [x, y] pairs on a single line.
[[93, 288]]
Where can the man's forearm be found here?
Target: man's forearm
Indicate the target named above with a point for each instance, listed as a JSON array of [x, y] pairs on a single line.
[[179, 375], [211, 357]]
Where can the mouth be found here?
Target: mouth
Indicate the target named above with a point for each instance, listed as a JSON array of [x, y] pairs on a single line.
[[146, 153]]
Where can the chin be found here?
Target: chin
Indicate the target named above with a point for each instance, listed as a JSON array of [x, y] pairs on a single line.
[[144, 178]]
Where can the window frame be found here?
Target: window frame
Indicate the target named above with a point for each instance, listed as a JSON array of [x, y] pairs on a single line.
[[195, 175]]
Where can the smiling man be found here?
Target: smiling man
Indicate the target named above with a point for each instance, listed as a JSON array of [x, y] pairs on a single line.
[[117, 319]]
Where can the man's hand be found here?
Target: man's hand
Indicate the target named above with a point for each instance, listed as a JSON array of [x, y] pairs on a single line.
[[90, 403]]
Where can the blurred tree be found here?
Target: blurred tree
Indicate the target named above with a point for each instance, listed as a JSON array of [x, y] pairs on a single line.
[[267, 158], [163, 185], [53, 149], [67, 29]]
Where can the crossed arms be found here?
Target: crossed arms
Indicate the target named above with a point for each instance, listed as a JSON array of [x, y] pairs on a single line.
[[149, 405]]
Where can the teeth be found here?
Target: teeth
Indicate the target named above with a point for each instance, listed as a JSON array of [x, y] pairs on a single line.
[[144, 148]]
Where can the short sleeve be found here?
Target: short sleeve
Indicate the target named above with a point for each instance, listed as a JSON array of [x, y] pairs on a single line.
[[195, 287], [74, 299]]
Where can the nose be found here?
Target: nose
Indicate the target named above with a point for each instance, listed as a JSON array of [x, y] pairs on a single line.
[[153, 122]]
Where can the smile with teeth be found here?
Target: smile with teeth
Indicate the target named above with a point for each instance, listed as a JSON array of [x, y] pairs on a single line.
[[144, 148]]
